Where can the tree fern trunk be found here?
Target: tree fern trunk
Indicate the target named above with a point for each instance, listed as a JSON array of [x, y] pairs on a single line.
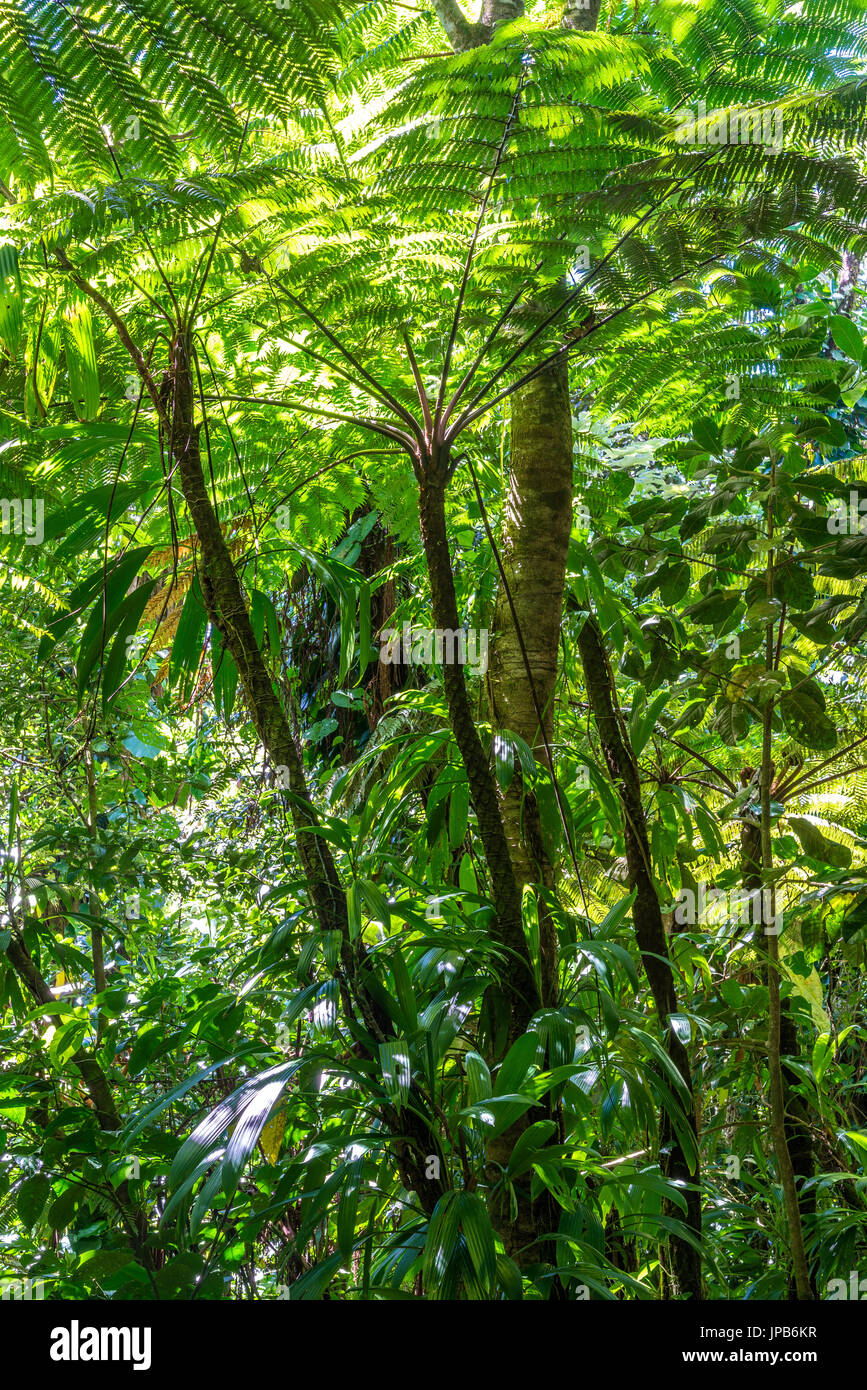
[[227, 609], [509, 930], [685, 1277], [522, 1224], [535, 546], [799, 1138], [796, 1119], [777, 1089]]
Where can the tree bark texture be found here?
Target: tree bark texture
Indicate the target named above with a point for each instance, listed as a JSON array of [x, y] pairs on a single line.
[[412, 1133], [533, 550], [653, 946]]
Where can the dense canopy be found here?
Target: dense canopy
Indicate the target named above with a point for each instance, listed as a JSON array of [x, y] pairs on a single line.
[[433, 446]]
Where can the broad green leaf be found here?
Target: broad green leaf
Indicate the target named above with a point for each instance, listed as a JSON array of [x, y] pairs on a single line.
[[846, 336], [11, 295], [81, 359]]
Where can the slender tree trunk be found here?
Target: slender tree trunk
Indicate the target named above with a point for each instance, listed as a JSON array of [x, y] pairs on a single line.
[[94, 1078], [99, 1091], [227, 610], [776, 1084], [652, 943], [413, 1136], [524, 1225], [796, 1120], [509, 930], [535, 546], [97, 940]]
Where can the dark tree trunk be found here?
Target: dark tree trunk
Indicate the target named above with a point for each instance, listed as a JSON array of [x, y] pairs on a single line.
[[227, 610], [508, 928], [652, 943], [94, 1078], [539, 508], [99, 1091], [799, 1139], [525, 1229]]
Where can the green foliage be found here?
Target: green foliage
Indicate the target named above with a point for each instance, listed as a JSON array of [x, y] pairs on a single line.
[[353, 229]]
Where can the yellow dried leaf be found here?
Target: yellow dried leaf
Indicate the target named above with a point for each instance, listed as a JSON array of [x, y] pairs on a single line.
[[164, 635], [165, 558], [272, 1135], [174, 591]]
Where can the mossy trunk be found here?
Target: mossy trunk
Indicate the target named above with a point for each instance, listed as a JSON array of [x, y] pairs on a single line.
[[799, 1140], [413, 1132], [526, 625]]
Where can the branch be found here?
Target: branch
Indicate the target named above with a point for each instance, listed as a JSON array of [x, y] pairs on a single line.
[[795, 786], [419, 383], [363, 423], [460, 33], [92, 1074], [470, 415], [379, 391], [193, 303], [281, 501], [123, 332], [482, 353], [468, 265], [570, 298], [717, 771], [832, 777]]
